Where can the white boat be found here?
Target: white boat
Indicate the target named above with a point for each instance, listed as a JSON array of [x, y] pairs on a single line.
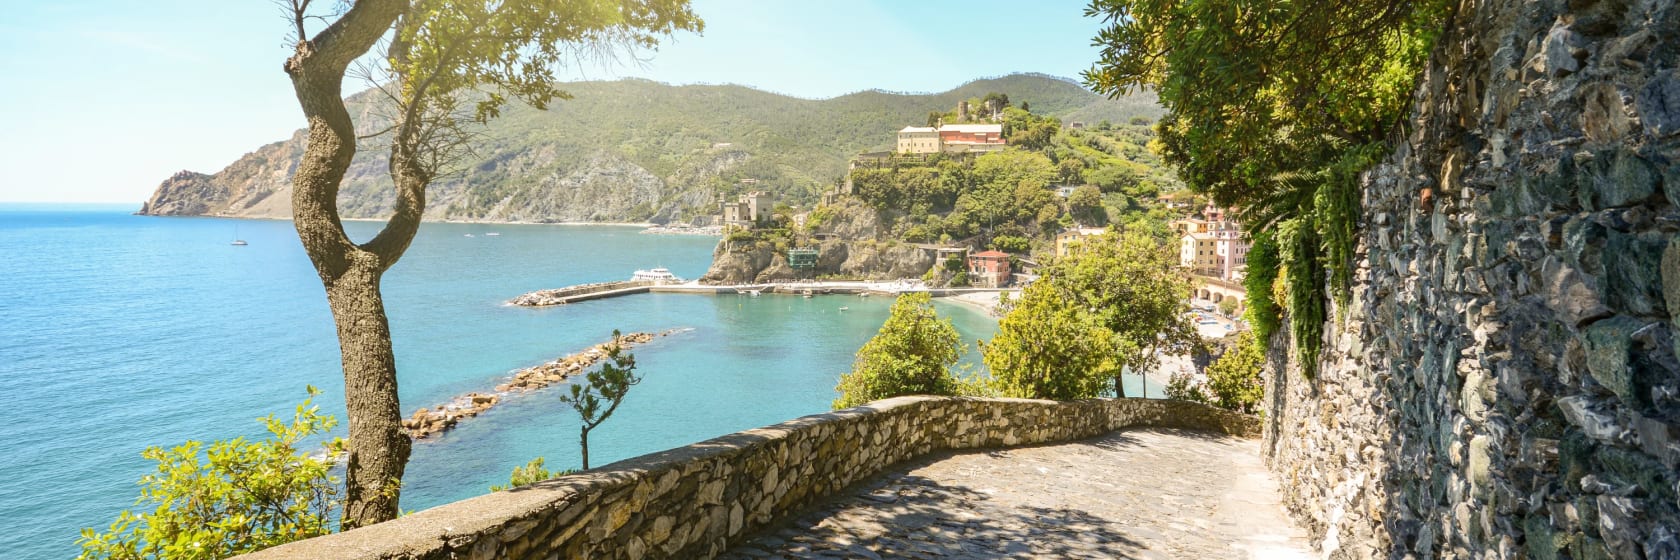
[[492, 234], [752, 293], [237, 242], [468, 235], [655, 275]]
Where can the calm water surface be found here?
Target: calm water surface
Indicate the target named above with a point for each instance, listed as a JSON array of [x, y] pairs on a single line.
[[118, 332]]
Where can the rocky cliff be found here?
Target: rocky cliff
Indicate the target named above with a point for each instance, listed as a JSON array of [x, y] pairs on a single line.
[[1504, 383], [630, 150], [853, 246]]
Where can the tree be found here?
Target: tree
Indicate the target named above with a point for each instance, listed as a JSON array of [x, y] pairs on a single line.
[[1235, 378], [607, 385], [1086, 205], [441, 57], [228, 498], [1133, 286], [1046, 348], [1228, 306], [912, 354]]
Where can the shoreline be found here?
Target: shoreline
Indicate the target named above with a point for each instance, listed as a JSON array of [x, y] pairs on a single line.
[[983, 302]]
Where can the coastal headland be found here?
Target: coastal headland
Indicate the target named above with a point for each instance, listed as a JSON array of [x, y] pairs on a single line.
[[428, 421]]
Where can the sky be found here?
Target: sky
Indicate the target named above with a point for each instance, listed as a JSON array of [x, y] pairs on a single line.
[[101, 100]]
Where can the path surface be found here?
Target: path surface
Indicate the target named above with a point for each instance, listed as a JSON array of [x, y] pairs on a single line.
[[1149, 493]]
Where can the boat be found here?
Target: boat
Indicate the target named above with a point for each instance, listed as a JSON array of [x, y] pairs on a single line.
[[662, 275], [492, 234], [807, 292], [237, 242], [469, 235], [844, 308], [752, 293]]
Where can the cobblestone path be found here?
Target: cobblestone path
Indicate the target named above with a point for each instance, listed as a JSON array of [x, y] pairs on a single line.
[[1149, 493]]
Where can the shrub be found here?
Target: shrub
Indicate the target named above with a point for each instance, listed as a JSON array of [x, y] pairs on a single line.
[[911, 355], [228, 498]]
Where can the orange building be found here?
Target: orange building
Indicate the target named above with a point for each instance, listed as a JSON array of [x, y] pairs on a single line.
[[989, 269]]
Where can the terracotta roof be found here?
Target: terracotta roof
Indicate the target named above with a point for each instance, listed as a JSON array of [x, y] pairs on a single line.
[[990, 254]]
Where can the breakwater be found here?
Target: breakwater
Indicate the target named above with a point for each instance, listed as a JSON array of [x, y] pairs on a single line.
[[428, 421], [603, 290]]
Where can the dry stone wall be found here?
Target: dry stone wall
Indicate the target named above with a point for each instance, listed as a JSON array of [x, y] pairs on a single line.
[[1504, 382], [696, 501]]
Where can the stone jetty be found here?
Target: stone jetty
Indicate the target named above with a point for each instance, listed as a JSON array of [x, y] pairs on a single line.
[[428, 421]]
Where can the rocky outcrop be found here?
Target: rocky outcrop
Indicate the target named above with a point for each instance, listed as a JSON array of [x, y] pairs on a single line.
[[1504, 382]]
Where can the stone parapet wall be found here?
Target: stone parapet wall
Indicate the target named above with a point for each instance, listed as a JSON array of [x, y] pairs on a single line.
[[1504, 382], [696, 501]]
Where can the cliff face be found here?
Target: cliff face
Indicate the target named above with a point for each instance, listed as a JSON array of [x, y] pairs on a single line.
[[851, 248], [1504, 382]]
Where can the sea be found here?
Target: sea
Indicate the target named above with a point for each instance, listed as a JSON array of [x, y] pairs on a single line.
[[119, 332]]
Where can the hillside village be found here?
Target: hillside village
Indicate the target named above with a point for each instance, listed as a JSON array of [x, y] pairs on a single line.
[[932, 169]]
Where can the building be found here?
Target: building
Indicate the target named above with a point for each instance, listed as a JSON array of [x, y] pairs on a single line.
[[989, 269], [918, 140], [1221, 254], [1067, 240], [951, 139], [749, 210]]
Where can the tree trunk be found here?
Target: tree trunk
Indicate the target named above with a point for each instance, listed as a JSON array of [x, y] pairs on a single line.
[[351, 273], [378, 447], [583, 439], [1119, 385]]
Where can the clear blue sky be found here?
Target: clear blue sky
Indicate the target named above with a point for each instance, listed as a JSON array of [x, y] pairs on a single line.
[[102, 99]]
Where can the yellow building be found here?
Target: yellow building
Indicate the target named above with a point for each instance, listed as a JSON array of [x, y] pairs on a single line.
[[918, 140], [1067, 240]]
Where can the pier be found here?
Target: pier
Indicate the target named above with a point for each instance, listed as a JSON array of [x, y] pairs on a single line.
[[603, 290]]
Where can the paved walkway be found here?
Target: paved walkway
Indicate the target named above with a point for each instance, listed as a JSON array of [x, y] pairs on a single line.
[[1147, 494]]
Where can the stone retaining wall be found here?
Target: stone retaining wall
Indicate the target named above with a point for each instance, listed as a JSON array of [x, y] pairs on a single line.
[[696, 501], [1504, 383]]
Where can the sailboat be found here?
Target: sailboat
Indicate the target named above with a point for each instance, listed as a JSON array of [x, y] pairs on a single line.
[[237, 242]]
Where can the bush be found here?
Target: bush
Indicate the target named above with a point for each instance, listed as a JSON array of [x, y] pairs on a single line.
[[232, 497], [911, 355], [1235, 378], [532, 473], [1182, 386]]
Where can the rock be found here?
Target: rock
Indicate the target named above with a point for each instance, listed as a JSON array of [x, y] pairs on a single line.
[[1604, 116], [1659, 104], [1579, 411], [1558, 52]]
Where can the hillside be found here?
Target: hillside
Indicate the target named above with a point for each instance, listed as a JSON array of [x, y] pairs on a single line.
[[633, 150]]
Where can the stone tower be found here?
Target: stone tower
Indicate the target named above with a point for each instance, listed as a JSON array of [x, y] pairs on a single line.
[[962, 111]]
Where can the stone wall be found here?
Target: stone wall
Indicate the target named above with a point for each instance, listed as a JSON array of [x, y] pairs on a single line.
[[696, 501], [1504, 383]]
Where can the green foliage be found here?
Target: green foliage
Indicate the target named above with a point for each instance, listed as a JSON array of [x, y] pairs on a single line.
[[1264, 262], [912, 354], [1011, 244], [1112, 305], [1182, 386], [1228, 306], [1298, 249], [1048, 349], [228, 498], [596, 401], [1275, 108], [1086, 205], [532, 473], [1235, 378]]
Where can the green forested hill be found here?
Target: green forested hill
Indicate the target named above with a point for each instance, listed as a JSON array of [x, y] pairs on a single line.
[[634, 150]]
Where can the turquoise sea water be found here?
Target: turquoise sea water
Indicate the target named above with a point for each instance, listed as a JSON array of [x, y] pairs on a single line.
[[118, 332]]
